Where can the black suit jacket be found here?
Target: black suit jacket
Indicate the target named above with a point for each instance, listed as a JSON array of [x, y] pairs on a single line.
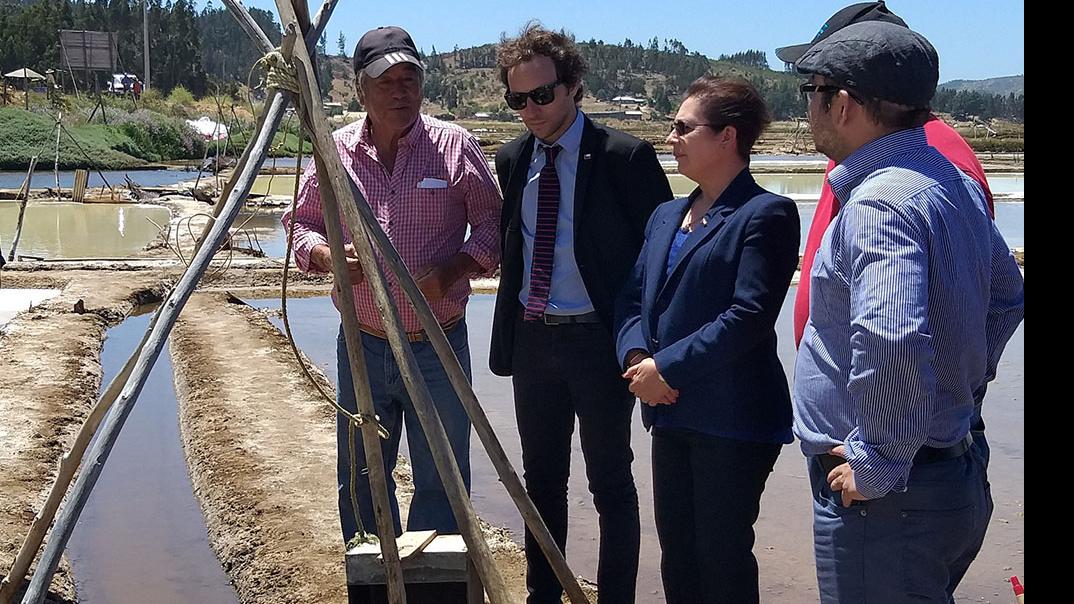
[[619, 184]]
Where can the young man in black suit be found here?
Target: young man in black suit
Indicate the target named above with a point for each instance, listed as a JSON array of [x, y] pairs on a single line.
[[577, 197]]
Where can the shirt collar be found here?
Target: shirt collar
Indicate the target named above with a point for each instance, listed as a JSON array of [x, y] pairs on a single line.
[[364, 137], [570, 141], [869, 157]]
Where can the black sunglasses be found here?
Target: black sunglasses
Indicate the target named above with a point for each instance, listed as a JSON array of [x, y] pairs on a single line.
[[681, 128], [542, 95], [808, 88]]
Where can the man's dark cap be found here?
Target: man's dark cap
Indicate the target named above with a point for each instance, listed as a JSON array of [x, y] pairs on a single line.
[[877, 60], [383, 47], [855, 13]]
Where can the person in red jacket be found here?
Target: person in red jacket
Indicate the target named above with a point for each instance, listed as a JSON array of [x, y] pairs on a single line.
[[938, 133]]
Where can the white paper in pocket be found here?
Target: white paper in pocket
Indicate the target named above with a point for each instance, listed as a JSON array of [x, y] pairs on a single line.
[[432, 183]]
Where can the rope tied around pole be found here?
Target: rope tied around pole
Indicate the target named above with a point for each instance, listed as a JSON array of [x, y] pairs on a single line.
[[279, 73]]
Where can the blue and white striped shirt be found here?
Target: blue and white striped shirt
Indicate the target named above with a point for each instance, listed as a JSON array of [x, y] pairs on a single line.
[[914, 294]]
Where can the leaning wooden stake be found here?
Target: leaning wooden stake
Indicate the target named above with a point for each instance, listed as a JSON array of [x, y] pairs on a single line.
[[24, 194], [56, 161], [68, 466], [359, 218]]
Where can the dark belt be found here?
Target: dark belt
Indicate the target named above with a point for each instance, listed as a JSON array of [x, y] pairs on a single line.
[[925, 455], [933, 454], [589, 317]]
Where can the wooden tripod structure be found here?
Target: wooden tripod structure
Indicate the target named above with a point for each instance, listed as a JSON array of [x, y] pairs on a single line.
[[341, 196]]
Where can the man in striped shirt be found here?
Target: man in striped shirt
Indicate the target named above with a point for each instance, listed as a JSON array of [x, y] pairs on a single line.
[[914, 295], [427, 181]]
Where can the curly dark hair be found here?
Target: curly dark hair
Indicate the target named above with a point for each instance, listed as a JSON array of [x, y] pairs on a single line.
[[732, 102], [536, 40]]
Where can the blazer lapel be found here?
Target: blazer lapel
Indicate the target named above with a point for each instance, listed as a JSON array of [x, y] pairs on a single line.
[[737, 192], [517, 181], [660, 244]]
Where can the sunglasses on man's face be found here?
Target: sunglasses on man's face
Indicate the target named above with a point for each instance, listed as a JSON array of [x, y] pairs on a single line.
[[809, 88], [542, 95]]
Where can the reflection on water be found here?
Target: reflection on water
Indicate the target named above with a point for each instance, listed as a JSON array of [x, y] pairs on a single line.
[[146, 178], [810, 184], [1010, 217], [142, 537], [75, 230]]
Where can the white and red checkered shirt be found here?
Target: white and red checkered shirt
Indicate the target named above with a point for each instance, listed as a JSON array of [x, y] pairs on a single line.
[[441, 183]]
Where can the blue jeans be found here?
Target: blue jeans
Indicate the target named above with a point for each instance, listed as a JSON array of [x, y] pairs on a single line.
[[909, 546], [429, 509]]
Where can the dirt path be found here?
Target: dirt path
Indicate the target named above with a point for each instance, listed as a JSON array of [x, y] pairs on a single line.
[[261, 450], [50, 375]]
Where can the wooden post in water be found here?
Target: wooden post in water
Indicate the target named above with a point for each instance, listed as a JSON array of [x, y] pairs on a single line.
[[24, 194], [78, 189], [56, 162]]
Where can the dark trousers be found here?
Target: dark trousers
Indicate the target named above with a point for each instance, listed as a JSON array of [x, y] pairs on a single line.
[[560, 372], [706, 495]]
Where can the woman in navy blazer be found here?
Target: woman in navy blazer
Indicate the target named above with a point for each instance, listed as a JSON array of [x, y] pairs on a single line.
[[696, 335]]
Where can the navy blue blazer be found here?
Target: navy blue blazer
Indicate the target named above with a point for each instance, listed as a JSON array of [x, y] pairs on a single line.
[[710, 324]]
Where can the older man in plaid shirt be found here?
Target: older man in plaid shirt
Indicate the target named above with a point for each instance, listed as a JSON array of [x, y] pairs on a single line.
[[426, 181]]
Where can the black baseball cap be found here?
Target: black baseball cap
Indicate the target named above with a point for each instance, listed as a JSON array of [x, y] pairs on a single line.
[[855, 13], [877, 60], [383, 47]]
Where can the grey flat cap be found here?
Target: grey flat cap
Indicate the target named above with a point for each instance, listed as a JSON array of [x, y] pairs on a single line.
[[877, 60]]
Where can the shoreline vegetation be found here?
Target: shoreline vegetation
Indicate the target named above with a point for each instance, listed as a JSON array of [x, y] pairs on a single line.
[[153, 134]]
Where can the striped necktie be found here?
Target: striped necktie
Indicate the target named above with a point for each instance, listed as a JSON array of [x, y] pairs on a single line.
[[544, 236]]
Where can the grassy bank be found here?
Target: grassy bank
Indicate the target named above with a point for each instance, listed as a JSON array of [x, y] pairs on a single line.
[[130, 139]]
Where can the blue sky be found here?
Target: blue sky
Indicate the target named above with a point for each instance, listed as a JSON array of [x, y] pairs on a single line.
[[976, 39]]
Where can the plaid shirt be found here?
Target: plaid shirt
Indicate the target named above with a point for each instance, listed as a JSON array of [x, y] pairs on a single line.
[[441, 184]]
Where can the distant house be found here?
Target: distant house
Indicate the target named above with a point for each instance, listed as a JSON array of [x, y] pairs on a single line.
[[625, 101], [633, 115], [481, 115]]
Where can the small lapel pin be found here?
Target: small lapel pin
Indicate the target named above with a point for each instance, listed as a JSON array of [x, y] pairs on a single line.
[[587, 156]]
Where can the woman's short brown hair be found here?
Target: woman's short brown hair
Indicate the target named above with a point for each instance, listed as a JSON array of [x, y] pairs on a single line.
[[536, 40], [732, 102]]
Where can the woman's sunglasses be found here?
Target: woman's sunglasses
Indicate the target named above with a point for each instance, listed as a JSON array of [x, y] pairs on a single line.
[[542, 95]]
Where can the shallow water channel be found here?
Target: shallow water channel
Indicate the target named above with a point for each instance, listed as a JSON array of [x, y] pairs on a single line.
[[142, 537]]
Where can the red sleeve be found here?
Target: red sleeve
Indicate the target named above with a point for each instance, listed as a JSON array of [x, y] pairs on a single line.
[[949, 142]]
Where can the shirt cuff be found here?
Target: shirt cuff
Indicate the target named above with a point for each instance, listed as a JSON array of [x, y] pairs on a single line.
[[875, 475]]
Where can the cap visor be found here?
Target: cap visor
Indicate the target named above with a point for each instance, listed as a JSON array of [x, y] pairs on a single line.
[[790, 54], [378, 67]]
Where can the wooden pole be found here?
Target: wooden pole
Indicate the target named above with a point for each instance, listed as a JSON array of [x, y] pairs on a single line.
[[56, 162], [355, 214], [374, 456], [117, 415], [24, 193]]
